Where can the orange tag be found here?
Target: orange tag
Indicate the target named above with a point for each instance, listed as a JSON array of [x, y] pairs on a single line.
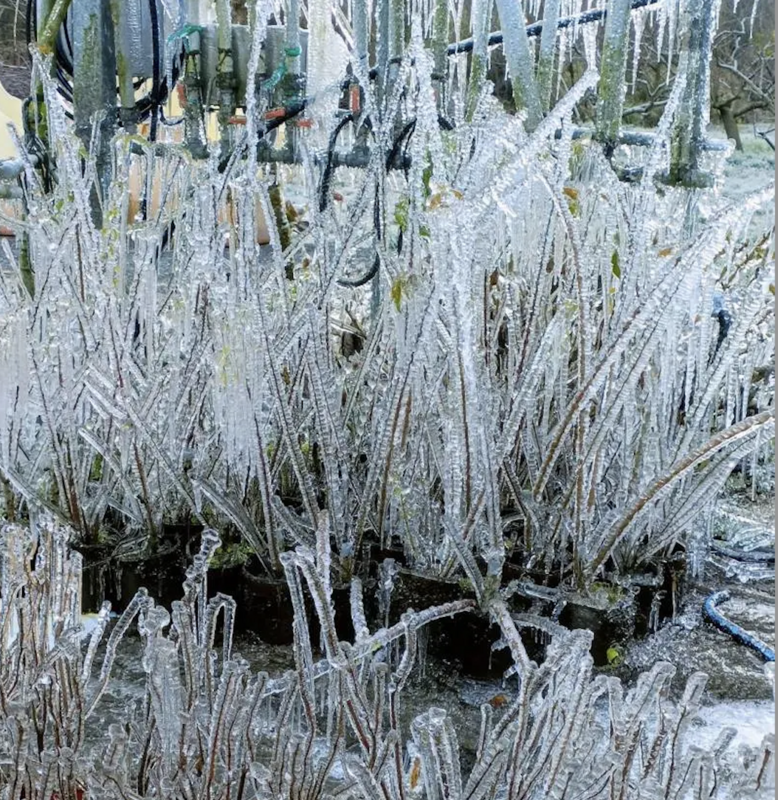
[[354, 99]]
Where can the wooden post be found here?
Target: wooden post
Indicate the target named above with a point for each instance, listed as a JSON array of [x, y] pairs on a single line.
[[613, 73], [481, 15], [440, 26], [54, 16], [520, 63], [94, 89], [545, 72], [693, 114], [382, 47]]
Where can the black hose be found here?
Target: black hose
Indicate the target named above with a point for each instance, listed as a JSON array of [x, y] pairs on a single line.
[[406, 132], [326, 178], [373, 271], [366, 278], [404, 136], [746, 556], [156, 87]]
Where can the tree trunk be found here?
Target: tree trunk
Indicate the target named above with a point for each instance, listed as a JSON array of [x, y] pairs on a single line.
[[730, 124]]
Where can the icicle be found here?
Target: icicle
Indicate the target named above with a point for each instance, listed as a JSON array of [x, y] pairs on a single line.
[[638, 26]]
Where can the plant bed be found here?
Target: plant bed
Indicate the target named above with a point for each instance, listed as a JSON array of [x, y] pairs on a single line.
[[614, 614]]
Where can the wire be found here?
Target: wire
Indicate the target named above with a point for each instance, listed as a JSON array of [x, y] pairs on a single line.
[[326, 178]]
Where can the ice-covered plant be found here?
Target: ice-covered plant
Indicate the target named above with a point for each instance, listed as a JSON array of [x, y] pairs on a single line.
[[488, 330], [205, 726]]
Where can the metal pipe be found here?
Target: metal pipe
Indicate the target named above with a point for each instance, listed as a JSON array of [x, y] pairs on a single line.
[[439, 50], [382, 48], [293, 38], [361, 38], [396, 37], [94, 89], [225, 75], [517, 54], [11, 192], [545, 70], [121, 28], [12, 168], [536, 29]]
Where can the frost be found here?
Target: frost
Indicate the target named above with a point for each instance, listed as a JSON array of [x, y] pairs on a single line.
[[332, 726], [469, 344]]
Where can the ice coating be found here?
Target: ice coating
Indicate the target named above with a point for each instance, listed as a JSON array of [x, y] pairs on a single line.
[[475, 322]]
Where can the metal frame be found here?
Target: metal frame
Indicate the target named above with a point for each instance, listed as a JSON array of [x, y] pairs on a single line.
[[213, 73]]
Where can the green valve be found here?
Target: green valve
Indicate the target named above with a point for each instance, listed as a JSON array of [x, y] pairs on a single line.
[[281, 69], [613, 655], [184, 32]]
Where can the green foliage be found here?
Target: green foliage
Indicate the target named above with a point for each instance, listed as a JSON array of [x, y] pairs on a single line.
[[615, 268]]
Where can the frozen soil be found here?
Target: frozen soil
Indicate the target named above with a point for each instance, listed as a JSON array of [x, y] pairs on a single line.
[[749, 170], [693, 644]]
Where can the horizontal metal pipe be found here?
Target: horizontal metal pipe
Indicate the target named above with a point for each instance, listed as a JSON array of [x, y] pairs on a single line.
[[12, 168], [11, 192], [597, 14]]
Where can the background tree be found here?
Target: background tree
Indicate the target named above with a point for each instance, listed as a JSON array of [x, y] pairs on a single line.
[[743, 67], [742, 71]]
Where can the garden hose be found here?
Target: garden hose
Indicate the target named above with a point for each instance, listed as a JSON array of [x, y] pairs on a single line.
[[735, 631]]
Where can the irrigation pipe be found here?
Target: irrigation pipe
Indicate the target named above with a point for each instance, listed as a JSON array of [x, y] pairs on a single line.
[[595, 15], [746, 556], [735, 631]]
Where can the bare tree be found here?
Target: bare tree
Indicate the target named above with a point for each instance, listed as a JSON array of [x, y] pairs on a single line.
[[743, 68], [742, 71]]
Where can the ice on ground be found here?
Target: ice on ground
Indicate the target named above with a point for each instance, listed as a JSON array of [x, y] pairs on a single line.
[[753, 720]]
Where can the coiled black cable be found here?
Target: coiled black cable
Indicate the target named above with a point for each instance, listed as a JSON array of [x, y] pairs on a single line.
[[147, 107]]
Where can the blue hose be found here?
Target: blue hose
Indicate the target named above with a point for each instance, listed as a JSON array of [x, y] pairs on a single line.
[[735, 631]]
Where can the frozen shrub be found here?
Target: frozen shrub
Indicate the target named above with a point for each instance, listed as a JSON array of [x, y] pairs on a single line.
[[205, 726], [540, 343]]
